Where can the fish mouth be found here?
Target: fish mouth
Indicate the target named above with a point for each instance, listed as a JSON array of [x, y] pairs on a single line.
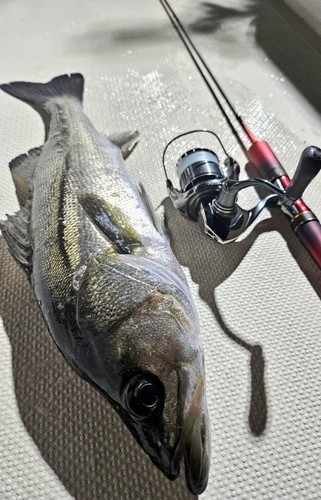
[[197, 456], [193, 438]]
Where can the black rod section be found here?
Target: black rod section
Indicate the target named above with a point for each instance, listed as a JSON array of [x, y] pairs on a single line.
[[189, 44]]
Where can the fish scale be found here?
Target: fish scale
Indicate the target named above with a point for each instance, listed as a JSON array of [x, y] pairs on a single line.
[[110, 289]]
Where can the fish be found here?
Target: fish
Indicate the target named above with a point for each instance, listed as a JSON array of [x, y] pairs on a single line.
[[112, 294]]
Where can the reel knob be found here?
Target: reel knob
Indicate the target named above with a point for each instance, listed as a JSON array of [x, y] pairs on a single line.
[[308, 168]]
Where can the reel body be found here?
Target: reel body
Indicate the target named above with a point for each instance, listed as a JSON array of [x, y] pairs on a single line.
[[209, 189], [201, 177]]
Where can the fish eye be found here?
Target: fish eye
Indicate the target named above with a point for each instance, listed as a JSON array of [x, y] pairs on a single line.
[[144, 396], [147, 394]]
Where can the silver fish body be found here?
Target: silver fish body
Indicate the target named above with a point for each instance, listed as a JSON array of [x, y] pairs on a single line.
[[113, 295]]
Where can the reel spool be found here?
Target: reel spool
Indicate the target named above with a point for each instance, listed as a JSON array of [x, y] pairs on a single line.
[[200, 174]]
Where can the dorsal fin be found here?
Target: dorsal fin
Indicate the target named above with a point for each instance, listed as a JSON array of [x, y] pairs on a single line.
[[22, 171], [23, 165]]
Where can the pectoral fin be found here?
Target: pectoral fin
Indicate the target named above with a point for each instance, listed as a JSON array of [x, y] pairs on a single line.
[[111, 221]]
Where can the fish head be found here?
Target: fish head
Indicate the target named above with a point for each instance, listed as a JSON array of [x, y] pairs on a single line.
[[163, 389], [142, 327]]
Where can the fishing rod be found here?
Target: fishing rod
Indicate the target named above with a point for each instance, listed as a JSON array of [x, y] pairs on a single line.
[[209, 187]]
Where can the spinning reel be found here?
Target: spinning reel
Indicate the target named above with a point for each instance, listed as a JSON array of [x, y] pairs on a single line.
[[209, 190]]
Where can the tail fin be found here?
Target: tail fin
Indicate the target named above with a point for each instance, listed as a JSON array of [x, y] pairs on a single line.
[[37, 94]]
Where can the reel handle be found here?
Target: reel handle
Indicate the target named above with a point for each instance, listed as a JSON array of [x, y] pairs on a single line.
[[308, 168]]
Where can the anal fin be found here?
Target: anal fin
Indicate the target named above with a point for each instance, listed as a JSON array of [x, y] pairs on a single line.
[[150, 209], [126, 141]]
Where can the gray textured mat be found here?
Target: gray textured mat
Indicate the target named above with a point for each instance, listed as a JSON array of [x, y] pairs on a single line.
[[258, 299]]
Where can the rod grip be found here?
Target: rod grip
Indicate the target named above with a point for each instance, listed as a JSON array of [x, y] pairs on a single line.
[[307, 228], [265, 161]]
